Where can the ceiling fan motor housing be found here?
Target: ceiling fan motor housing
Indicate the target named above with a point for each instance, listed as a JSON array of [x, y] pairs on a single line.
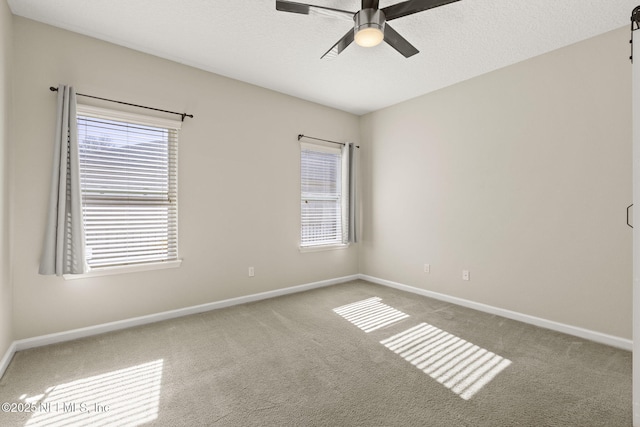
[[368, 21]]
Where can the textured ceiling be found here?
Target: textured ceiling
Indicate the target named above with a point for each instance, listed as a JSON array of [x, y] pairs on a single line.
[[250, 41]]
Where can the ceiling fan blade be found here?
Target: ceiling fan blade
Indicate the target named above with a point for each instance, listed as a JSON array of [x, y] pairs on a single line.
[[370, 4], [398, 42], [412, 6], [337, 48], [309, 9]]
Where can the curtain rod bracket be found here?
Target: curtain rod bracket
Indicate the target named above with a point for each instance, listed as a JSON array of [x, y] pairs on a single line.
[[183, 115], [635, 25]]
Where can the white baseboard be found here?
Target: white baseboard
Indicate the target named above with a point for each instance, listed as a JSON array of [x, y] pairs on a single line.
[[42, 340], [142, 320], [598, 337], [6, 359]]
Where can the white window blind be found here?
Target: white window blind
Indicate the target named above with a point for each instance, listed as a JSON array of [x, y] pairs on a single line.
[[128, 175], [321, 204]]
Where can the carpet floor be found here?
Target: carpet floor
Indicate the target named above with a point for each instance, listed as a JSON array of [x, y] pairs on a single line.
[[354, 354]]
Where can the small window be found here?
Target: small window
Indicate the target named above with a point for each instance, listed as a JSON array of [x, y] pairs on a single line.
[[128, 178], [321, 191]]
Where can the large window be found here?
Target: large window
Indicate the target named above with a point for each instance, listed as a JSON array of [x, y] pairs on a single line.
[[321, 196], [128, 176]]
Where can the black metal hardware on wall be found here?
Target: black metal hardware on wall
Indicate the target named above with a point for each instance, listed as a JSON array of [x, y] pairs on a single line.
[[629, 207], [183, 115], [635, 24]]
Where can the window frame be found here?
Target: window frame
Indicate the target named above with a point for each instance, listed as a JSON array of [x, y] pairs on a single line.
[[341, 243], [85, 110]]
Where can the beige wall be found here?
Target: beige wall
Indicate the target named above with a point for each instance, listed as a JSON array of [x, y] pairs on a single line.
[[521, 176], [238, 183], [6, 37]]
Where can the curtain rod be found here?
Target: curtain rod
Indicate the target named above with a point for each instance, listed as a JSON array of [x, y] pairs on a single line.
[[635, 25], [183, 115], [324, 140]]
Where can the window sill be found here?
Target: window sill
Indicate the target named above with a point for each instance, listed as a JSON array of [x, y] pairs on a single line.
[[320, 248], [108, 271]]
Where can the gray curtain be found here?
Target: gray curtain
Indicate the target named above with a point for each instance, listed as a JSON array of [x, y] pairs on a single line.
[[353, 212], [349, 208], [63, 251]]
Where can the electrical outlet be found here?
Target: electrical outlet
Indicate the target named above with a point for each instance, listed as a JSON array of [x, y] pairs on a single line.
[[252, 272], [427, 268], [465, 274]]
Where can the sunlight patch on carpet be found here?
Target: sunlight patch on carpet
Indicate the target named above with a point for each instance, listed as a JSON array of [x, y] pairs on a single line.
[[370, 314], [459, 365], [126, 397]]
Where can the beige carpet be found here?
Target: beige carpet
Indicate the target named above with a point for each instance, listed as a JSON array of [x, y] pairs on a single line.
[[355, 354]]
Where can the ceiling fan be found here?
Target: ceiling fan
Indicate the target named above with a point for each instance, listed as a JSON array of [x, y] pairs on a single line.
[[370, 23]]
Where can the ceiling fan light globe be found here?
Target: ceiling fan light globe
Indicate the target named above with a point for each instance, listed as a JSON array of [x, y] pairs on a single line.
[[369, 27], [369, 37]]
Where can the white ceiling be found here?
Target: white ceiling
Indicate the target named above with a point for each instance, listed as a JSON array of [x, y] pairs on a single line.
[[250, 41]]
